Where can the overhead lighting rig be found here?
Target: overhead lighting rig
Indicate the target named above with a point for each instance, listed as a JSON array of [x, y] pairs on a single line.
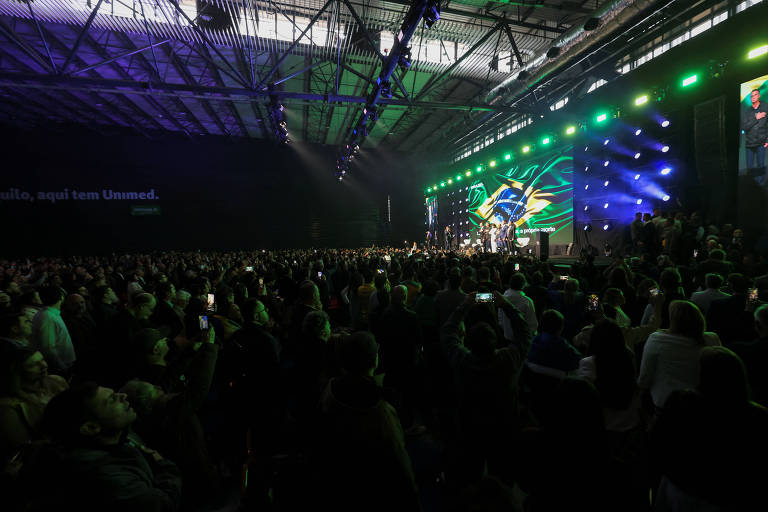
[[277, 119]]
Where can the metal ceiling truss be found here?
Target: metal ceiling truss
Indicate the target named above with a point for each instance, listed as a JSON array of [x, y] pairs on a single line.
[[159, 66]]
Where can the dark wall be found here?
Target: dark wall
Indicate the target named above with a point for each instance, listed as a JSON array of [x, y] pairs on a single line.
[[202, 193]]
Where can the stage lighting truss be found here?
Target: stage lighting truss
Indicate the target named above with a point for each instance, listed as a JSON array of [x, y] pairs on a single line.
[[277, 119], [432, 14]]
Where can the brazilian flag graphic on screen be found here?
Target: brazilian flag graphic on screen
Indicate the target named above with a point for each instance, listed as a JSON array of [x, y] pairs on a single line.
[[536, 195]]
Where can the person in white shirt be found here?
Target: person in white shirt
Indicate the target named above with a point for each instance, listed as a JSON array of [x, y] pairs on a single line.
[[49, 332], [671, 356], [493, 233], [522, 302], [614, 298], [704, 298]]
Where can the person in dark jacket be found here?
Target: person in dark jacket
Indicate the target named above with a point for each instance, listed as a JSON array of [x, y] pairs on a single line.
[[169, 421], [360, 459], [94, 463], [486, 380], [551, 353], [164, 317], [755, 126]]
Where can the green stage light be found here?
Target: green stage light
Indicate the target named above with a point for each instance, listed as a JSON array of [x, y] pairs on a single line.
[[450, 181], [690, 80], [570, 130], [493, 163], [758, 52], [458, 178], [508, 156], [545, 140], [479, 168], [526, 149], [602, 117], [434, 187], [442, 184], [641, 100], [429, 190], [468, 174]]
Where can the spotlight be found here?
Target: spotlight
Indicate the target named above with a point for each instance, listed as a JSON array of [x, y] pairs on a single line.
[[586, 168], [638, 131], [606, 227], [757, 52], [606, 163], [458, 178], [641, 100], [664, 123], [468, 173], [665, 198], [664, 149], [587, 227], [570, 130], [637, 155], [639, 201], [586, 187], [666, 171], [605, 205], [591, 24], [586, 207], [493, 163], [637, 176], [450, 181], [545, 140], [553, 52], [507, 156], [479, 168], [586, 148], [606, 141], [602, 117], [690, 80], [606, 183], [442, 184], [429, 189], [526, 149]]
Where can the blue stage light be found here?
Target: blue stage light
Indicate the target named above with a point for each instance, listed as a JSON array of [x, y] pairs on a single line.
[[638, 131], [606, 227], [666, 171], [637, 155], [586, 207], [606, 163], [605, 205], [639, 201], [664, 149], [606, 141], [586, 187], [637, 176], [606, 183], [664, 123], [665, 198]]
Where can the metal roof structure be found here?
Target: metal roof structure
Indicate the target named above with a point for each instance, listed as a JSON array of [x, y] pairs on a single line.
[[219, 67]]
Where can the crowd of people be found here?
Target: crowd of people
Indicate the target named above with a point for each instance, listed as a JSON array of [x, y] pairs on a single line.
[[388, 379]]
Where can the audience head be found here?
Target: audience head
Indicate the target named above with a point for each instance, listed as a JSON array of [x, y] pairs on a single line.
[[254, 311], [454, 278], [309, 295], [104, 295], [685, 319], [358, 354], [142, 305], [670, 280], [165, 291], [399, 295], [22, 369], [717, 255], [614, 297], [87, 415], [51, 296], [151, 344], [483, 274], [182, 299], [142, 395], [761, 321], [738, 283], [517, 281], [713, 281], [571, 286], [552, 322], [74, 305], [722, 376], [16, 326], [481, 339], [316, 325]]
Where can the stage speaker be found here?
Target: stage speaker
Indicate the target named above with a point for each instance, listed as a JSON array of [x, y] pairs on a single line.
[[542, 245], [710, 142]]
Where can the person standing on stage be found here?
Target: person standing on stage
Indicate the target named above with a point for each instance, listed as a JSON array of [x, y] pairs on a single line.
[[503, 236], [428, 239], [512, 237], [755, 126], [448, 238], [493, 233], [487, 237]]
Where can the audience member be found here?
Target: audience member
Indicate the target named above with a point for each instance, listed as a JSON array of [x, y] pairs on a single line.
[[50, 334]]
